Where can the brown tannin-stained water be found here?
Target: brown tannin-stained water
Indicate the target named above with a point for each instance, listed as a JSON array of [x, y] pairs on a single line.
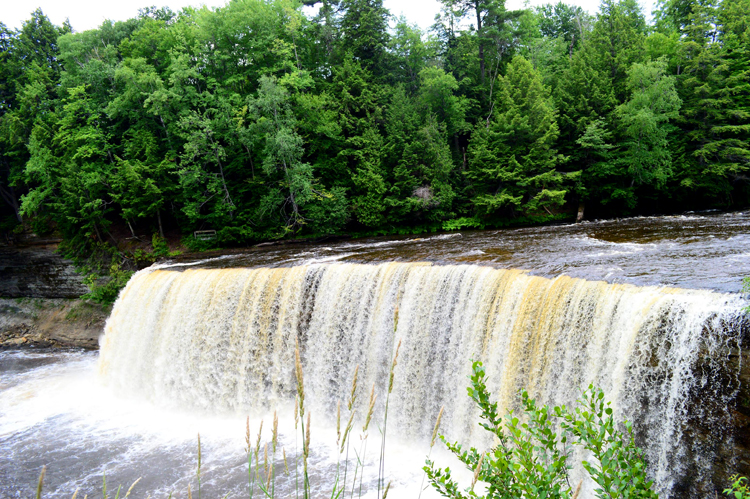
[[702, 251], [648, 309]]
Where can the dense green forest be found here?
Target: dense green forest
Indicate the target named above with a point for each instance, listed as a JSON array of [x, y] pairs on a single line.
[[267, 119]]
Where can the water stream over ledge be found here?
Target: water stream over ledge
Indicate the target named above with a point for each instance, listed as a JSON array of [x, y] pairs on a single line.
[[195, 349]]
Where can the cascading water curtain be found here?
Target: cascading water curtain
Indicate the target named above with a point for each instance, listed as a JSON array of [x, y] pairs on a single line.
[[224, 340]]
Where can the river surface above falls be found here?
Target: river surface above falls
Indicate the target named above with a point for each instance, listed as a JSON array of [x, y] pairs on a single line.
[[694, 250]]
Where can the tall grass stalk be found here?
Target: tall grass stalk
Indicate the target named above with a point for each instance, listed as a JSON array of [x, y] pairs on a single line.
[[363, 446], [350, 405], [296, 454], [306, 435], [127, 494], [198, 471], [381, 463], [40, 482]]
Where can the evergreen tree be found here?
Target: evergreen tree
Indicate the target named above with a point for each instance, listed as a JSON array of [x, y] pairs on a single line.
[[512, 160]]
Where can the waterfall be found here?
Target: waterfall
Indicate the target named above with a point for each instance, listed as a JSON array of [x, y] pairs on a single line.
[[224, 340]]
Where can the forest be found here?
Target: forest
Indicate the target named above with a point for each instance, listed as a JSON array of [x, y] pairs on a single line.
[[268, 119]]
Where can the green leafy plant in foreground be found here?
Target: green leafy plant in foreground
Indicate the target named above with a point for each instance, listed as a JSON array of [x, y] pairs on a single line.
[[739, 487], [532, 450]]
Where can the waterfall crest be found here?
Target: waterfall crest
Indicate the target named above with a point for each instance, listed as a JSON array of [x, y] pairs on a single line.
[[224, 339]]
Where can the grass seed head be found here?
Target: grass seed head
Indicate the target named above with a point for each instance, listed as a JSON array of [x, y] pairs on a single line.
[[199, 455], [353, 394], [387, 488], [578, 490], [275, 437], [437, 425], [247, 436], [476, 471], [393, 367], [307, 438], [373, 398], [300, 379], [257, 442], [39, 484], [296, 411], [131, 487]]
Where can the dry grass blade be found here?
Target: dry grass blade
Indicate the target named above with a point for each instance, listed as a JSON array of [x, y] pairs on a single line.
[[371, 407], [437, 426], [199, 456], [307, 437], [190, 492], [476, 471], [347, 430], [257, 442], [353, 394], [131, 487], [387, 488], [296, 411], [75, 494], [300, 379], [275, 433], [247, 436], [578, 490], [41, 480], [393, 367]]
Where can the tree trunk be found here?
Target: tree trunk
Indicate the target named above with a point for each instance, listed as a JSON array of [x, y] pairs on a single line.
[[161, 229], [579, 217], [132, 232], [479, 34]]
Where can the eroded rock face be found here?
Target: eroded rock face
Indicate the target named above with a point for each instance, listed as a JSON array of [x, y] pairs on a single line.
[[38, 271], [37, 322]]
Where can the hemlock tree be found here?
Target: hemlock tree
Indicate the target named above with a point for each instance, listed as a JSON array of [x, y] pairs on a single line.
[[512, 160]]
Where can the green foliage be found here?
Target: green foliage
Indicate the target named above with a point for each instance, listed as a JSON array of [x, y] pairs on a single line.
[[105, 289], [738, 489], [260, 123], [531, 454], [513, 165], [462, 223]]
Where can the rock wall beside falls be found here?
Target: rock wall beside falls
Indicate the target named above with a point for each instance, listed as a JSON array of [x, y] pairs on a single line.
[[38, 271], [223, 339]]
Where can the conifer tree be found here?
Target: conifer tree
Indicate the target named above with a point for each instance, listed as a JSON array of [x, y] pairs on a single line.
[[512, 160]]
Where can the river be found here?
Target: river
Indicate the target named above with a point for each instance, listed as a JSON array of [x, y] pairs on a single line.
[[646, 308]]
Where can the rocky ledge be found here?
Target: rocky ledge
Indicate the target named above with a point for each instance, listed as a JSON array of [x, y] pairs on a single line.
[[57, 322]]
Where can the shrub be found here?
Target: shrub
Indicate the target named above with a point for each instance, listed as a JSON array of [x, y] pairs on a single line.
[[739, 488], [532, 452]]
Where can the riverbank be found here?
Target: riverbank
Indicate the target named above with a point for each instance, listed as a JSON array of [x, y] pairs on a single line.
[[51, 322]]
